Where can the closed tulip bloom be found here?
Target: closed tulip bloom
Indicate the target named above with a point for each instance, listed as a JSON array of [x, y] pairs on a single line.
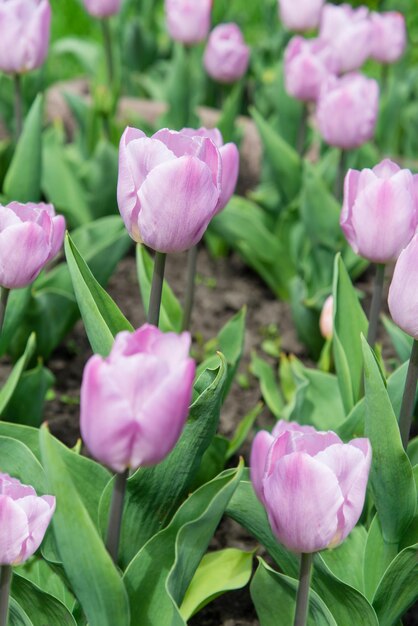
[[347, 110], [403, 293], [388, 36], [24, 519], [380, 211], [349, 32], [230, 161], [188, 21], [300, 15], [226, 55], [326, 318], [307, 63], [168, 187], [135, 402], [313, 487], [102, 8], [30, 236], [24, 34]]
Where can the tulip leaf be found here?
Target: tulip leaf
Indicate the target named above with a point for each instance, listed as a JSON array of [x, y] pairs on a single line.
[[18, 461], [15, 311], [391, 476], [274, 597], [320, 211], [93, 576], [349, 322], [268, 384], [26, 434], [17, 616], [171, 313], [42, 607], [159, 575], [243, 429], [218, 572], [9, 387], [26, 406], [400, 340], [23, 178], [377, 557], [101, 316], [346, 561]]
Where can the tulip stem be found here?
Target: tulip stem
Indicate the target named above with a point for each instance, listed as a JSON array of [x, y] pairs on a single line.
[[408, 399], [107, 38], [18, 106], [302, 599], [5, 582], [190, 287], [115, 516], [4, 296], [156, 289], [339, 179], [376, 303], [303, 127]]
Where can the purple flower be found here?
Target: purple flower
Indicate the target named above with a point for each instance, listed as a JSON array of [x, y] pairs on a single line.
[[102, 8], [388, 36], [403, 293], [226, 55], [307, 64], [300, 15], [188, 21]]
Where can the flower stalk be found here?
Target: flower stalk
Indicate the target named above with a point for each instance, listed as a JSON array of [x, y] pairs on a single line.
[[17, 79], [156, 289], [190, 287], [115, 516], [4, 296], [302, 599], [5, 583], [376, 303], [408, 399]]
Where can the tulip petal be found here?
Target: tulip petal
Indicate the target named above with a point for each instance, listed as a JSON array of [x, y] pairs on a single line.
[[24, 249], [57, 235], [386, 169], [126, 190], [402, 299], [14, 530], [259, 452], [230, 169], [39, 512]]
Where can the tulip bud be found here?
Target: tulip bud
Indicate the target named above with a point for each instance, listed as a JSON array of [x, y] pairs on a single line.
[[135, 402], [307, 63], [188, 21], [349, 32], [312, 485], [388, 36], [300, 15], [226, 55], [168, 187], [24, 34], [326, 318], [230, 161], [102, 8], [347, 110], [30, 236], [24, 519], [403, 293], [380, 211]]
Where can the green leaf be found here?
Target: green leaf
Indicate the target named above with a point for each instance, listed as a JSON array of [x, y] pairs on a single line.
[[401, 341], [23, 178], [230, 111], [26, 406], [377, 557], [218, 572], [15, 311], [94, 578], [42, 607], [18, 461], [346, 561], [101, 316], [17, 616], [320, 211], [268, 384], [243, 429], [159, 575], [9, 387], [212, 463], [391, 476]]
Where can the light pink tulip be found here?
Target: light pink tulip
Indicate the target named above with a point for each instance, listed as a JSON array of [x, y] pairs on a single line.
[[307, 63], [226, 55], [388, 36], [347, 110], [135, 402], [30, 236], [312, 485], [168, 187], [349, 32], [24, 519], [24, 34], [326, 318], [403, 292], [102, 8], [380, 211], [300, 15], [188, 21], [230, 161]]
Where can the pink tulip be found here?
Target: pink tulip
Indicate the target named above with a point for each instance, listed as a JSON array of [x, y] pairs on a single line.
[[403, 292], [380, 211], [168, 187], [326, 318], [30, 236], [24, 519], [307, 63], [388, 36], [24, 34], [230, 161], [349, 32], [226, 55], [102, 8], [300, 15], [347, 110], [135, 402], [312, 485], [188, 21]]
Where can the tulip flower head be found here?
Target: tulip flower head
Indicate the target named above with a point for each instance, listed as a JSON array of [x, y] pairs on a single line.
[[326, 318], [102, 8], [380, 211], [30, 236], [135, 402], [24, 519], [300, 15], [388, 36], [226, 55], [188, 21], [403, 293], [312, 485], [307, 64], [169, 187], [347, 110], [24, 34]]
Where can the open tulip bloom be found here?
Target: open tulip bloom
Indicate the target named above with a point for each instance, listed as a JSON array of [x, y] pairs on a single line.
[[188, 21]]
